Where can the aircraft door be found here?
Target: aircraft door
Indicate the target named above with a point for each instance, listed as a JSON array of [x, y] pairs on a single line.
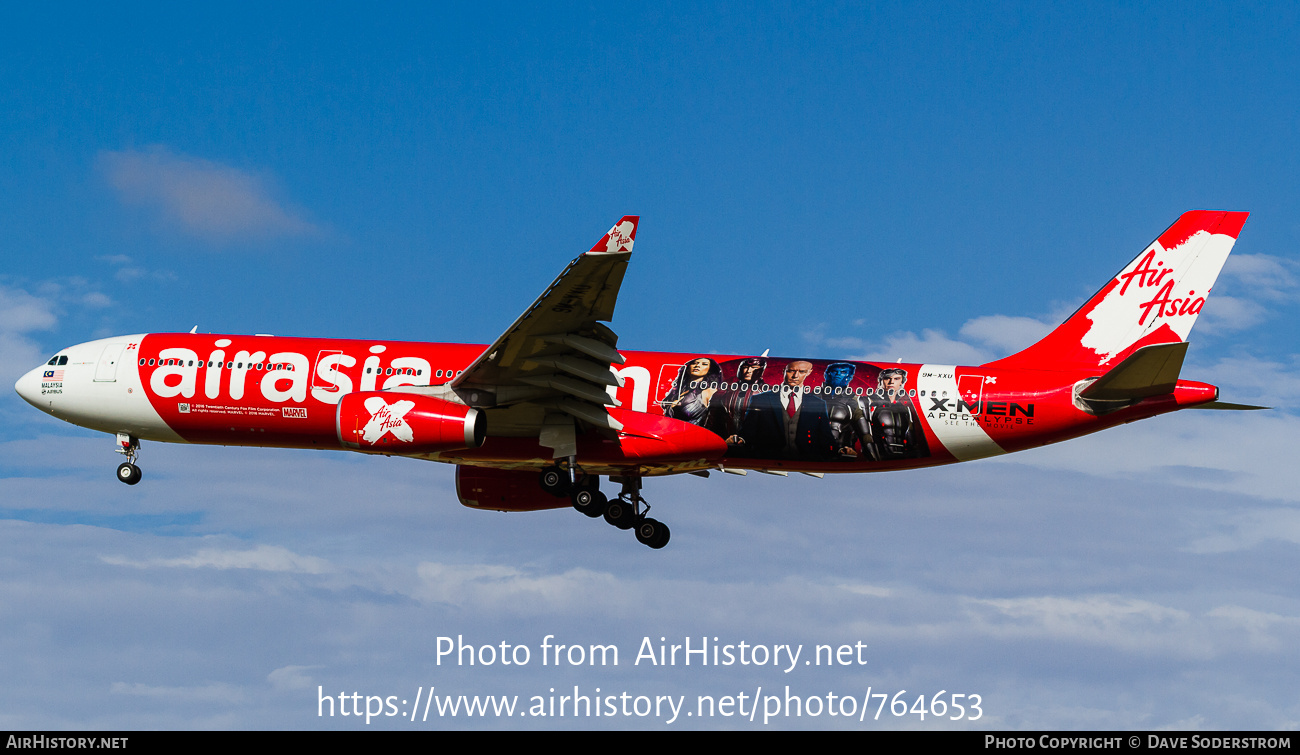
[[106, 368], [320, 382], [971, 390]]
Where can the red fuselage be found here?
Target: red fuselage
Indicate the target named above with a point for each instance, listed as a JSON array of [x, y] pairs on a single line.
[[281, 391]]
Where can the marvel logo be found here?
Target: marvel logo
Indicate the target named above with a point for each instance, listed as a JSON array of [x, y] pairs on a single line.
[[294, 412]]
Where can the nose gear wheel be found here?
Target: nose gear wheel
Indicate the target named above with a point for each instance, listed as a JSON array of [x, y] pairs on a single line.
[[127, 471]]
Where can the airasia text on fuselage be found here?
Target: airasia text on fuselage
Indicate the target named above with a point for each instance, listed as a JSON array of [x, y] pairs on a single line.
[[240, 372]]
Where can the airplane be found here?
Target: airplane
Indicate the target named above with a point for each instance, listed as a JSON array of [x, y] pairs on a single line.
[[535, 419]]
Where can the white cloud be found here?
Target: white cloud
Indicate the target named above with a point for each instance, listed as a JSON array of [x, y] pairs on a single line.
[[1101, 619], [1244, 453], [1227, 314], [291, 677], [1004, 334], [1247, 530], [983, 339], [272, 558], [1058, 605], [1244, 379], [483, 586], [128, 272], [210, 693], [932, 346], [1260, 628], [22, 313], [1247, 281], [1264, 275], [204, 198], [97, 300]]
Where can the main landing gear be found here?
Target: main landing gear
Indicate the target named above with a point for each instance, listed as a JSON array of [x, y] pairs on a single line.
[[627, 512], [127, 471]]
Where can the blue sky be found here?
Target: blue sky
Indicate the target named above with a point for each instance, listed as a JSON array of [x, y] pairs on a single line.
[[938, 183]]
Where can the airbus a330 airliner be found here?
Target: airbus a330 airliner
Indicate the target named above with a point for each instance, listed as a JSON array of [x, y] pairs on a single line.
[[534, 420]]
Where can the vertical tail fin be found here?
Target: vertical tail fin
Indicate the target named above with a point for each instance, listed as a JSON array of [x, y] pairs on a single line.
[[1155, 299]]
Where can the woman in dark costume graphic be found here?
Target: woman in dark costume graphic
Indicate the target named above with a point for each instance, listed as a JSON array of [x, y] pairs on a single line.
[[688, 399]]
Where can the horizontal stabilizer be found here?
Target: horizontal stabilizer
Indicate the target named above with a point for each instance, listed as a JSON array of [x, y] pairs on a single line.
[[1225, 406], [1149, 371]]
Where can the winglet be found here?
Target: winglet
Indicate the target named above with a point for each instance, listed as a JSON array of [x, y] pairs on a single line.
[[619, 238]]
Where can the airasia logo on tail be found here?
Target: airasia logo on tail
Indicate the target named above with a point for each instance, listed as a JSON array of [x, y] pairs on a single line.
[[1164, 287], [1148, 274]]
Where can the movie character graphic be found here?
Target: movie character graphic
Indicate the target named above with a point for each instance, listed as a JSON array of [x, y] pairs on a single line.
[[693, 389], [850, 428], [895, 425], [728, 408], [788, 422]]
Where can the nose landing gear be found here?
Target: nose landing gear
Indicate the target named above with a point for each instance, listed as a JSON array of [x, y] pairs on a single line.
[[127, 471]]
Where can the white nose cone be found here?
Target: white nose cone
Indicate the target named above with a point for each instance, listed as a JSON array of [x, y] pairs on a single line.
[[29, 387]]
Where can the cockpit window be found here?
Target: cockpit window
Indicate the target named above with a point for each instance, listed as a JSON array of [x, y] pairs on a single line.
[[63, 360], [53, 361]]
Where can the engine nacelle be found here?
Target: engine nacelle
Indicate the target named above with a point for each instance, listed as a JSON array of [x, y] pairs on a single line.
[[406, 423], [503, 490]]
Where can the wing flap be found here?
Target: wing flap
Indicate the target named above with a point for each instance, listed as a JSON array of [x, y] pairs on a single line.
[[557, 355]]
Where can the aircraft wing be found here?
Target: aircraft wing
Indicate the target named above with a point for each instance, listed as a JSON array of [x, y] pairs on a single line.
[[557, 354]]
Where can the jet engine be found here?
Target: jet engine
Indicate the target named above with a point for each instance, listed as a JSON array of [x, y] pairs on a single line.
[[503, 490], [406, 423]]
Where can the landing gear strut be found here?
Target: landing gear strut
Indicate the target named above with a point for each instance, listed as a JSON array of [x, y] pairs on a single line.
[[583, 490], [629, 512], [588, 499], [128, 472], [555, 481]]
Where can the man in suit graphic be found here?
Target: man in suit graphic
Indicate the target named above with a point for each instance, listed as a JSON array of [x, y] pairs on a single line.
[[787, 423]]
